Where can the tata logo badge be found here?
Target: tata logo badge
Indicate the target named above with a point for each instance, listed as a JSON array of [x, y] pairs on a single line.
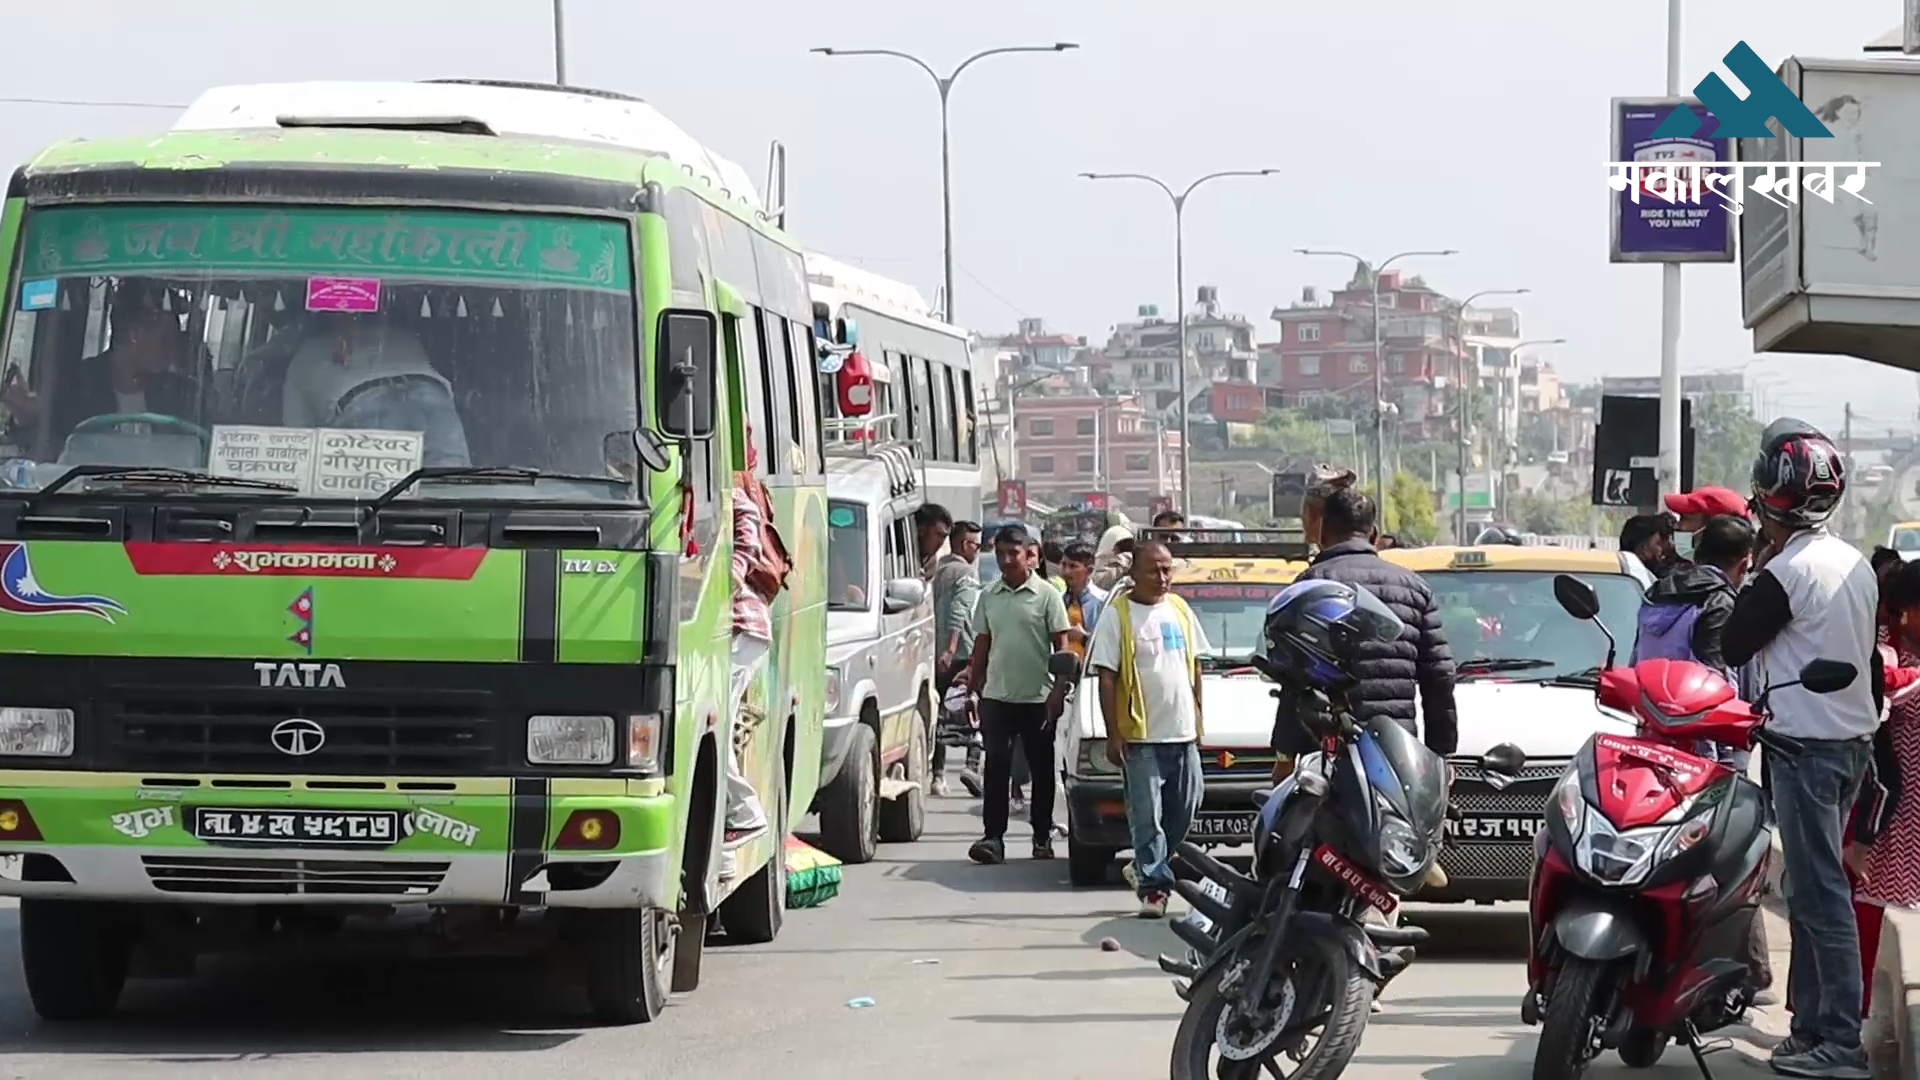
[[297, 737]]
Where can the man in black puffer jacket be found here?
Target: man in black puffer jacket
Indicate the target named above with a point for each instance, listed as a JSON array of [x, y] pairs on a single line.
[[1390, 672]]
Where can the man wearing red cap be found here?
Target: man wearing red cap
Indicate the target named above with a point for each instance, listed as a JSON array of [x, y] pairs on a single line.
[[1693, 508]]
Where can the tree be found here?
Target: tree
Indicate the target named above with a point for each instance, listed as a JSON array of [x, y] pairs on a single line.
[[1409, 510], [1725, 439], [1537, 513]]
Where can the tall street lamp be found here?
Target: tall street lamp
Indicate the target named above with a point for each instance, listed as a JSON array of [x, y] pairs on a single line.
[[559, 44], [1513, 358], [945, 85], [1463, 400], [1179, 200], [1379, 385]]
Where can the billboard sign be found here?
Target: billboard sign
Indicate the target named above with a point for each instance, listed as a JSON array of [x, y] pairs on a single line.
[[1657, 213], [1013, 498]]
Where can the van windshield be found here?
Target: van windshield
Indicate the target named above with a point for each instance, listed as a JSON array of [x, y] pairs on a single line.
[[846, 556], [330, 349]]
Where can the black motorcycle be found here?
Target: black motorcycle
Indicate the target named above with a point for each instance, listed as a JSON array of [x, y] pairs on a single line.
[[1290, 968]]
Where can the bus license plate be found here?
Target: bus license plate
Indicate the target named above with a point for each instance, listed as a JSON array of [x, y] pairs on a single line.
[[1495, 828], [296, 828], [1221, 827]]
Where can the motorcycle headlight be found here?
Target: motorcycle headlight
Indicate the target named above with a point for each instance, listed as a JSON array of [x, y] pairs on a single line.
[[1683, 837], [1570, 804], [1616, 857], [1402, 855]]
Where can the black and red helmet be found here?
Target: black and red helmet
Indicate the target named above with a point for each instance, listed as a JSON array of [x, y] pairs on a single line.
[[1799, 476]]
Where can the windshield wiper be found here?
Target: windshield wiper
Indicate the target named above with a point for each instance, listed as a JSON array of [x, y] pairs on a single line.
[[479, 474], [1487, 665], [147, 474], [1584, 677]]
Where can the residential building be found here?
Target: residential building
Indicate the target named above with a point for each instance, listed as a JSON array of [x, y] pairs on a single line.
[[1065, 447], [1327, 349], [1033, 348], [1139, 357]]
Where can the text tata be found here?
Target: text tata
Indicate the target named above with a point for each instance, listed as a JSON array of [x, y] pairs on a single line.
[[301, 676]]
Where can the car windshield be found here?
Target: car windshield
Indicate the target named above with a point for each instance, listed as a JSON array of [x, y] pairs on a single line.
[[846, 556], [1232, 616], [1906, 540], [1506, 623], [331, 349]]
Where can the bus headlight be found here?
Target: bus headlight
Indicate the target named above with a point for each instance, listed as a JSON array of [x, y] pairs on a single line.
[[36, 732], [570, 740]]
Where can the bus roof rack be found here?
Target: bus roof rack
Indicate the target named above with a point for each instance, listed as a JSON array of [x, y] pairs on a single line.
[[1190, 543]]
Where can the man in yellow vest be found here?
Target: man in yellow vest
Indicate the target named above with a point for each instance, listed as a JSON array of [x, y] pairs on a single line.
[[1146, 653]]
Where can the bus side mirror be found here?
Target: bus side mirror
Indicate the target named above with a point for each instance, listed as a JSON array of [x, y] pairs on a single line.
[[684, 354]]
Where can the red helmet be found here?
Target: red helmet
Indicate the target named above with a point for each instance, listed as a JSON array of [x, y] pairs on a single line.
[[1799, 476]]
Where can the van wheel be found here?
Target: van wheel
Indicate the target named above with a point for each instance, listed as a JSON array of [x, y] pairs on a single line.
[[752, 914], [904, 818], [629, 955], [849, 809], [75, 955]]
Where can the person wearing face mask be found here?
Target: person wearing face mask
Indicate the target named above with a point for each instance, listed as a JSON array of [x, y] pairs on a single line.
[[1692, 510]]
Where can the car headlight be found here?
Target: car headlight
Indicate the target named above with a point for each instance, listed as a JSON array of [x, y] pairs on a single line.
[[570, 740], [1093, 758], [833, 691], [643, 741], [36, 732]]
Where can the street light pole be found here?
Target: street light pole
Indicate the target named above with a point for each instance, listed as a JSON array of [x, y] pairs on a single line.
[[1379, 379], [1464, 400], [944, 83], [559, 43], [1501, 426], [1179, 200]]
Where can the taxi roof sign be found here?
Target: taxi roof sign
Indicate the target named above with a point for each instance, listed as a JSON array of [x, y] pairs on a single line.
[[1190, 543], [1469, 557]]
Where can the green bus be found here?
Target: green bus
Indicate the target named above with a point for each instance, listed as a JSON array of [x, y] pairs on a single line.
[[365, 486]]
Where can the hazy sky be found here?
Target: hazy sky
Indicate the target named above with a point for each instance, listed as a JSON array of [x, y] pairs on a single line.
[[1476, 124]]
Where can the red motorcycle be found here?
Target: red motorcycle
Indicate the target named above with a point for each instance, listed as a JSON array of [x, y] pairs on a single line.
[[1648, 874]]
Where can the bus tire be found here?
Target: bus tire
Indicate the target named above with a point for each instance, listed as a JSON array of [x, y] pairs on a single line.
[[752, 914], [74, 954], [904, 818], [849, 808], [629, 956]]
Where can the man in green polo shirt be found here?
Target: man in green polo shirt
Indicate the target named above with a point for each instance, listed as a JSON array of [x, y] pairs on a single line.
[[1020, 622]]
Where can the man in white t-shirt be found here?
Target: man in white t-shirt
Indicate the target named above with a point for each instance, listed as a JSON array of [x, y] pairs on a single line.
[[352, 373], [1146, 649]]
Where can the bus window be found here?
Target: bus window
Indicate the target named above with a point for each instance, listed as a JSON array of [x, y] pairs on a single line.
[[906, 424], [755, 389], [779, 391], [943, 412], [806, 409], [686, 248], [969, 444], [922, 406]]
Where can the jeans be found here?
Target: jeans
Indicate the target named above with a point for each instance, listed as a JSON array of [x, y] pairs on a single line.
[[421, 405], [1001, 722], [1813, 794], [1163, 795]]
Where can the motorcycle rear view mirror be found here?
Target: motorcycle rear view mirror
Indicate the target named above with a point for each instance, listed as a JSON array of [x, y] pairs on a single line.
[[1827, 676], [1576, 597]]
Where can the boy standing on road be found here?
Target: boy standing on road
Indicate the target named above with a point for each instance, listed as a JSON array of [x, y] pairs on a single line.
[[1146, 652], [1020, 623], [1084, 599]]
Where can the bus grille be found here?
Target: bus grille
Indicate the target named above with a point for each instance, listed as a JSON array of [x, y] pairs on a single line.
[[169, 734], [293, 877]]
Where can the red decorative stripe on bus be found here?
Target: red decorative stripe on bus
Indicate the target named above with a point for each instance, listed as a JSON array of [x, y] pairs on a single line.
[[304, 560]]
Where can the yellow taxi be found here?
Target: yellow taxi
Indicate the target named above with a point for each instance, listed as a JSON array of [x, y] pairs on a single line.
[[1525, 674], [1227, 583]]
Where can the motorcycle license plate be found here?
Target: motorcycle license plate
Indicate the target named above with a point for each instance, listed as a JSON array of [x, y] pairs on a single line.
[[1495, 828], [1217, 826]]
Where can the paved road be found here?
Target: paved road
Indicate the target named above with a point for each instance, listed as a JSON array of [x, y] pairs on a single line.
[[975, 972]]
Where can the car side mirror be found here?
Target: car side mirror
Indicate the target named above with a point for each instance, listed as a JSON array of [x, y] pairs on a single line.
[[1576, 597], [903, 594], [683, 353]]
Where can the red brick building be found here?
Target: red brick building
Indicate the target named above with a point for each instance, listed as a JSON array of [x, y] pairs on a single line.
[[1326, 349], [1066, 447]]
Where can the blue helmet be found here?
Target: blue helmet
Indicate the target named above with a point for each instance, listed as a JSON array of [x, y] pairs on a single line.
[[1314, 630]]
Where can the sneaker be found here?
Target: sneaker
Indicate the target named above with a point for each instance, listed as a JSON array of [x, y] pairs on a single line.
[[1128, 875], [1827, 1061], [987, 852], [939, 787], [1043, 848], [971, 782], [1153, 905], [1793, 1046]]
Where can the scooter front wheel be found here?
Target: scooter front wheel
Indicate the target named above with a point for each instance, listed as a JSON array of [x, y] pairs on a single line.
[[1570, 1031]]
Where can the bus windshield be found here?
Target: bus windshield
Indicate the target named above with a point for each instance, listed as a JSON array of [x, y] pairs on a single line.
[[333, 350]]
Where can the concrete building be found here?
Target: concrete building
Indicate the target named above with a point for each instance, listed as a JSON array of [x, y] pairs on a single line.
[[1066, 447], [1140, 355], [1326, 349]]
